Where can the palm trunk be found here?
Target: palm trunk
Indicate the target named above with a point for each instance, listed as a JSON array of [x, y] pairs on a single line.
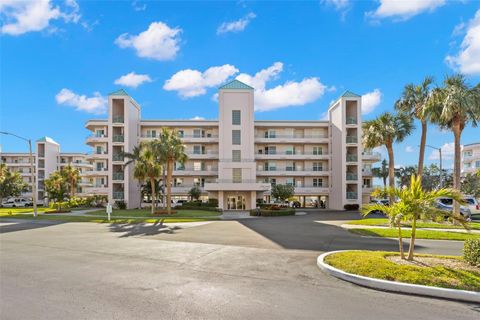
[[169, 185], [412, 239], [423, 142], [400, 240], [457, 133], [152, 186], [391, 170], [163, 189]]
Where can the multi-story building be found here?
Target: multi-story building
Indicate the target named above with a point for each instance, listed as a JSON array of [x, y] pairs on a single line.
[[236, 159], [471, 158]]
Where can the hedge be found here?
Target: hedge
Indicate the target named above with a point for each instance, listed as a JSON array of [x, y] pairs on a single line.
[[272, 213], [471, 252]]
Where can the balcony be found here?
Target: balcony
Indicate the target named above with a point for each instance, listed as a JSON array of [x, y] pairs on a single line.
[[291, 138], [118, 138], [237, 185], [118, 176], [352, 176], [191, 171], [351, 120], [118, 119], [118, 157], [370, 155], [96, 189], [352, 139], [298, 172], [352, 158], [367, 172], [367, 188], [352, 196], [297, 155], [96, 172], [94, 138], [118, 195], [208, 154], [312, 190]]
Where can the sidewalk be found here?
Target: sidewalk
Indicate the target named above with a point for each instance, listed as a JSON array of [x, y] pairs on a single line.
[[356, 226]]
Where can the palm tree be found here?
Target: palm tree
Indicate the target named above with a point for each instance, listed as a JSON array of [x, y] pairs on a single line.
[[146, 166], [386, 130], [453, 107], [413, 102], [172, 150], [403, 174], [71, 176], [381, 172], [414, 203]]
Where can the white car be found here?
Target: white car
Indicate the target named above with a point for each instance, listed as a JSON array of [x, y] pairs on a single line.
[[16, 202], [472, 204]]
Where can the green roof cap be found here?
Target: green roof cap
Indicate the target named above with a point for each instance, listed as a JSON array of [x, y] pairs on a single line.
[[235, 84], [350, 94], [119, 92], [47, 139]]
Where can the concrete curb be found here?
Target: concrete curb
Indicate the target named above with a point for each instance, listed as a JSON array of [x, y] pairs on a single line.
[[399, 287]]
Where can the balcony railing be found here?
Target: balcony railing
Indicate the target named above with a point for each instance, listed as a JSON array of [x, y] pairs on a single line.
[[352, 139], [352, 158], [291, 153], [290, 136], [196, 169], [118, 195], [352, 195], [237, 181], [352, 176], [118, 138], [235, 160], [117, 176], [205, 152], [313, 169], [351, 120], [118, 157], [118, 119]]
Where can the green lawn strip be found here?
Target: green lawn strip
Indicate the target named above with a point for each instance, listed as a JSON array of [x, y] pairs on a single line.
[[146, 213], [420, 224], [420, 234], [67, 218], [6, 211], [375, 265]]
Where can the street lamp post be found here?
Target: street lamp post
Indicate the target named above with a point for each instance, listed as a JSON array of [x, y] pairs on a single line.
[[32, 172], [441, 171]]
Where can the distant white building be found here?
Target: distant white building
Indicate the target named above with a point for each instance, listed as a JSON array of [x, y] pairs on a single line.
[[471, 158]]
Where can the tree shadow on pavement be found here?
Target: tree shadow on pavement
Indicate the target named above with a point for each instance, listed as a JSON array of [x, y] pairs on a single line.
[[21, 225], [141, 229]]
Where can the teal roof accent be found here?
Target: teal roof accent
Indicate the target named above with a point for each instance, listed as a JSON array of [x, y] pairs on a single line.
[[47, 139], [350, 94], [119, 92], [235, 84]]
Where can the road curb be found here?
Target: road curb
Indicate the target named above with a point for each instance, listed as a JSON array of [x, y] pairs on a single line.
[[399, 287]]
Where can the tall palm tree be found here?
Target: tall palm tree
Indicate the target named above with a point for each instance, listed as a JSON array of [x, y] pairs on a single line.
[[381, 172], [173, 151], [386, 130], [413, 101], [454, 106], [146, 166], [72, 177]]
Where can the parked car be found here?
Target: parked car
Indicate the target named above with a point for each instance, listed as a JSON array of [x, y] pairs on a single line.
[[180, 202], [379, 201], [464, 211], [473, 204], [17, 202]]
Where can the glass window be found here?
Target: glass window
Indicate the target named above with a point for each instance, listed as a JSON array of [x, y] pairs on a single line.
[[198, 133], [99, 150], [181, 133], [236, 117], [197, 166], [271, 150], [290, 181], [177, 182], [237, 175], [236, 156], [317, 150], [317, 166], [317, 182], [477, 164], [290, 150], [271, 133], [290, 166], [467, 165], [273, 181], [467, 153], [236, 137], [197, 149]]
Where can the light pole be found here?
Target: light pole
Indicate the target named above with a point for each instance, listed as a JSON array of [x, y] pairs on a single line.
[[441, 171], [32, 172]]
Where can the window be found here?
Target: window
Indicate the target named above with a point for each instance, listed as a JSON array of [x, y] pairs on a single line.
[[271, 134], [237, 175], [99, 150], [290, 150], [317, 166], [467, 165], [271, 150], [177, 182], [270, 166], [273, 181], [317, 182], [290, 182], [199, 182], [236, 156], [198, 149], [179, 166], [99, 133], [198, 133], [99, 166], [236, 137], [236, 116], [198, 166], [477, 164], [317, 150], [180, 133], [151, 133], [468, 153], [290, 166], [367, 183]]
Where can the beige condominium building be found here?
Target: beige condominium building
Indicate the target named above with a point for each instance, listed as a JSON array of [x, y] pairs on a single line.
[[471, 158], [236, 159]]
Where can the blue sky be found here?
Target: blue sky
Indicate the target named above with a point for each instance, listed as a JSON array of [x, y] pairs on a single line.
[[60, 59]]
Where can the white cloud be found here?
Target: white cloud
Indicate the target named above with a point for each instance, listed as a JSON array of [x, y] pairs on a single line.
[[404, 9], [467, 60], [409, 149], [236, 26], [338, 4], [96, 104], [159, 42], [197, 118], [137, 6], [133, 80], [290, 93], [448, 151], [371, 100], [324, 116], [190, 83]]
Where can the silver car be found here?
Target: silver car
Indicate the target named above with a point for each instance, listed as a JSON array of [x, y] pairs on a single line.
[[464, 211]]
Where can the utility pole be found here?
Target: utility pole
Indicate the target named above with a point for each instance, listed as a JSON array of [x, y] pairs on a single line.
[[32, 171], [441, 170]]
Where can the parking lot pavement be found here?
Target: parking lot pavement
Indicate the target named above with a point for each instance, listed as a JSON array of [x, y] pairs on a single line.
[[98, 271]]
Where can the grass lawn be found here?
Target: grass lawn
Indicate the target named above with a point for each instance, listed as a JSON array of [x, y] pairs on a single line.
[[146, 213], [375, 265], [420, 234], [6, 211], [420, 224]]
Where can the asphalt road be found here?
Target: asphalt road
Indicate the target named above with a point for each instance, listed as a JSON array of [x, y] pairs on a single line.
[[250, 269]]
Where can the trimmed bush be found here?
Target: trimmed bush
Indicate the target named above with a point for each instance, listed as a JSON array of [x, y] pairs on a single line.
[[471, 252], [58, 207], [120, 204], [213, 202], [349, 207], [204, 208], [272, 213]]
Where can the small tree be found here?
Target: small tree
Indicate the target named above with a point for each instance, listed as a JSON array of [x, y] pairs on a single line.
[[56, 188], [195, 193], [471, 185], [283, 191], [11, 183]]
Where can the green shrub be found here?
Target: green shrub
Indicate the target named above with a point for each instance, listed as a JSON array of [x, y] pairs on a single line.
[[120, 204], [198, 203], [204, 208], [61, 206], [213, 202], [349, 207], [471, 252], [272, 213]]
